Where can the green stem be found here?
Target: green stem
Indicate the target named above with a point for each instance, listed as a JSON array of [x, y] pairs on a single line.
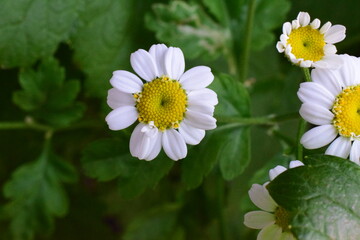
[[244, 58], [302, 122], [307, 74], [266, 120]]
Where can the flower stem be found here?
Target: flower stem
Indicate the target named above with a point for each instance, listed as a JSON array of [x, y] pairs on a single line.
[[266, 120], [302, 123], [244, 58]]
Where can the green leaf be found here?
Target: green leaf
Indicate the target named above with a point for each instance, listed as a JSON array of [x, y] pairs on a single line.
[[46, 96], [156, 224], [104, 31], [234, 143], [322, 198], [187, 26], [218, 9], [32, 29], [110, 159], [228, 144], [36, 195]]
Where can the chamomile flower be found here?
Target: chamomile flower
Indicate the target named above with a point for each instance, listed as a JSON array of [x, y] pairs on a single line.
[[332, 101], [273, 220], [172, 107], [307, 45]]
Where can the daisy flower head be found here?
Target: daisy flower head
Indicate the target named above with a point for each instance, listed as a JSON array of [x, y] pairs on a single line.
[[307, 45], [172, 107], [273, 220], [332, 102]]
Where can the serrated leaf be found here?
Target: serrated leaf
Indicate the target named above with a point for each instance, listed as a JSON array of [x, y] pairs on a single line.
[[104, 29], [156, 224], [322, 197], [47, 96], [110, 159], [187, 26], [229, 145], [36, 195], [32, 29]]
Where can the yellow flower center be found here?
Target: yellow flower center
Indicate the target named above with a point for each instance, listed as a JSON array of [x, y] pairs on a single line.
[[162, 101], [347, 112], [307, 43], [282, 219]]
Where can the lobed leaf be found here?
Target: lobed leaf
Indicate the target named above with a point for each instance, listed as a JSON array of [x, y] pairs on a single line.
[[47, 96], [32, 29], [36, 195], [322, 197]]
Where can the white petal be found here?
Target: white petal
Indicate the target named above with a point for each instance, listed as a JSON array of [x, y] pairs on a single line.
[[273, 173], [126, 82], [329, 49], [201, 108], [340, 147], [200, 120], [306, 63], [258, 219], [295, 163], [280, 47], [350, 70], [144, 65], [319, 136], [174, 144], [315, 24], [270, 232], [204, 95], [260, 196], [143, 146], [304, 18], [329, 79], [355, 152], [121, 117], [118, 98], [316, 114], [295, 24], [174, 63], [196, 78], [286, 28], [329, 62], [312, 92], [157, 51], [325, 27], [335, 34], [191, 135], [155, 147]]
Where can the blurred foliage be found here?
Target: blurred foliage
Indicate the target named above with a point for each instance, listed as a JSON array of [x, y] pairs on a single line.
[[56, 60]]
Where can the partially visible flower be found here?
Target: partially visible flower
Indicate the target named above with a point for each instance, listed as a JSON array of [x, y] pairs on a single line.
[[308, 46], [332, 101], [173, 108], [273, 220]]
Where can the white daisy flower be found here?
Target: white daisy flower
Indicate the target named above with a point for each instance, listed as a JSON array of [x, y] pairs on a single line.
[[332, 101], [273, 220], [173, 108], [307, 45]]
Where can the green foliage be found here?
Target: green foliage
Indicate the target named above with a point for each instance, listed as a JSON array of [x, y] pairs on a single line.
[[187, 26], [32, 29], [109, 159], [36, 194], [156, 224], [322, 197], [46, 95], [229, 144], [104, 31]]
